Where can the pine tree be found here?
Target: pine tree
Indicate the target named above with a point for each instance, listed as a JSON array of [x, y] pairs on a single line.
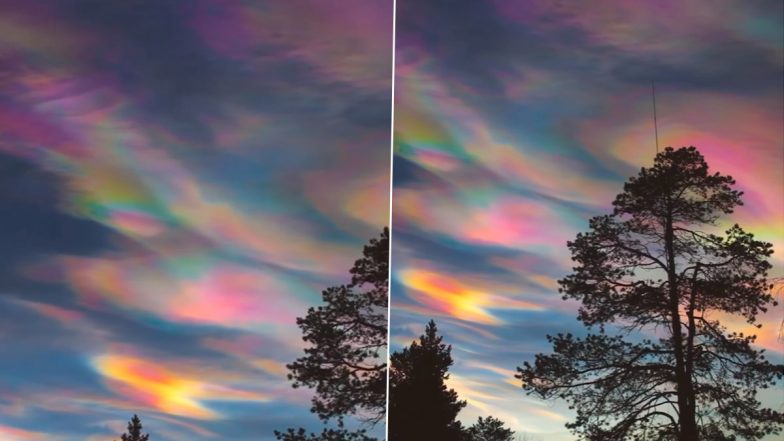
[[421, 407], [654, 277], [135, 431], [338, 434], [489, 429], [346, 361]]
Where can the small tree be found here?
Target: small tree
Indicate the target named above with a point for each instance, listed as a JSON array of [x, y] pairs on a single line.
[[325, 435], [346, 360], [489, 429], [651, 266], [421, 407], [135, 431]]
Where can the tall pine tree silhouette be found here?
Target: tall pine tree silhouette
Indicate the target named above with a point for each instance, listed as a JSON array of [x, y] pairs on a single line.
[[135, 431], [346, 359], [421, 407], [656, 280]]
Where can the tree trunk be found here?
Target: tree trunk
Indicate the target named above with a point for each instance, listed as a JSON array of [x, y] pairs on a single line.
[[686, 409]]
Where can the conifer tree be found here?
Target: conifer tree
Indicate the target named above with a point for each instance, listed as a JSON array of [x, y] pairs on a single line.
[[421, 407], [338, 434], [489, 429], [655, 278], [346, 360], [135, 431]]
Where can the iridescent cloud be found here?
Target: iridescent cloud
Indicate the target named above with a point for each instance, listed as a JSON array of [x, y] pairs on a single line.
[[15, 434], [516, 121], [447, 295], [180, 176], [167, 390]]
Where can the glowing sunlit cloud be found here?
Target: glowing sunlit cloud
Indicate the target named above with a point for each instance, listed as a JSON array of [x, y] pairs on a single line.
[[188, 241], [287, 241], [369, 201], [725, 128], [471, 391], [535, 171], [8, 433], [423, 139], [363, 200], [272, 367], [166, 390], [549, 414], [487, 397], [769, 336], [155, 386], [438, 126], [78, 401], [486, 218], [508, 375], [118, 178], [468, 128], [193, 290], [448, 295]]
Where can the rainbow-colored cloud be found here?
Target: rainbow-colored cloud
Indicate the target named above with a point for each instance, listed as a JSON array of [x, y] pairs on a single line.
[[179, 178], [516, 121]]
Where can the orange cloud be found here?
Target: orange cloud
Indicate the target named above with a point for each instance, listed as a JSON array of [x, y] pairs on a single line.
[[166, 389], [508, 375], [450, 296]]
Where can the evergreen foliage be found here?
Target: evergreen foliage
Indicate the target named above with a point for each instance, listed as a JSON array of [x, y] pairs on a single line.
[[346, 360], [654, 279], [134, 432], [421, 406], [489, 429]]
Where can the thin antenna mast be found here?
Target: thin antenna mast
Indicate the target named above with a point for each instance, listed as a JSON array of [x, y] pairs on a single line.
[[655, 123]]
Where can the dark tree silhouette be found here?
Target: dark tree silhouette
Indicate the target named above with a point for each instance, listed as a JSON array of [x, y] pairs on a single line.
[[346, 360], [489, 429], [421, 407], [325, 435], [657, 265], [135, 431]]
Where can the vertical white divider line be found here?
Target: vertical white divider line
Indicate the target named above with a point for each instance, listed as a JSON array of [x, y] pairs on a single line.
[[391, 180]]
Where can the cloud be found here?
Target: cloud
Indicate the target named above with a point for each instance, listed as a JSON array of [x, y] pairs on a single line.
[[164, 389], [516, 122], [447, 295], [15, 434], [180, 175]]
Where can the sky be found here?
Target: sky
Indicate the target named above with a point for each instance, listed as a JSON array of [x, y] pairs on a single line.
[[179, 180], [517, 121]]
